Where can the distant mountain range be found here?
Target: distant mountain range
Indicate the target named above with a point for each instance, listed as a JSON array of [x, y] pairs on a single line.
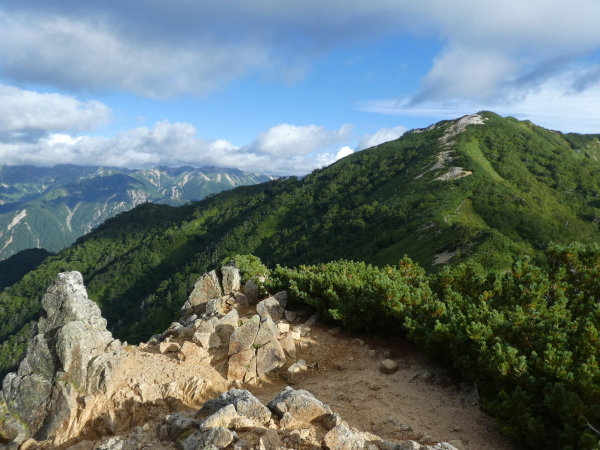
[[50, 208]]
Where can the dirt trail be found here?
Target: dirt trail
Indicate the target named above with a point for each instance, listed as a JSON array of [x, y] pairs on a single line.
[[419, 394]]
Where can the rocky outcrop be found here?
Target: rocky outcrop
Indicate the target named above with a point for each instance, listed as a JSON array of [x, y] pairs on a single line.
[[71, 357], [256, 345], [232, 281], [293, 419], [207, 287]]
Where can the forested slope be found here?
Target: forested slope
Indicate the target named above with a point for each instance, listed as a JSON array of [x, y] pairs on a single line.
[[482, 189]]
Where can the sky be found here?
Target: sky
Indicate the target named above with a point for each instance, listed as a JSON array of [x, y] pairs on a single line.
[[280, 87]]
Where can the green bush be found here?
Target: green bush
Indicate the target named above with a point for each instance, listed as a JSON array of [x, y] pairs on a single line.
[[359, 295], [527, 337]]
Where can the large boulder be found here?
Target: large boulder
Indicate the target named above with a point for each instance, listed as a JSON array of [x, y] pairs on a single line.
[[243, 338], [251, 291], [227, 325], [232, 281], [206, 288], [270, 307], [64, 361], [342, 437], [269, 358], [239, 364], [300, 404], [268, 332], [244, 402], [218, 437]]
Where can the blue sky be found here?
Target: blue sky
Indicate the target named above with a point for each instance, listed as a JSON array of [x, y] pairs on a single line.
[[280, 87]]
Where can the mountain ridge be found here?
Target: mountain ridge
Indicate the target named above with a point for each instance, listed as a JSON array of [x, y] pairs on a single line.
[[51, 207]]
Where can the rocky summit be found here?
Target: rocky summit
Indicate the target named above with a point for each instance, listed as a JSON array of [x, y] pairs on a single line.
[[78, 388]]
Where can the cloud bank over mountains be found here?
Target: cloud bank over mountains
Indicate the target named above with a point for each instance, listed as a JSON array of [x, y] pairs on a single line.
[[34, 130]]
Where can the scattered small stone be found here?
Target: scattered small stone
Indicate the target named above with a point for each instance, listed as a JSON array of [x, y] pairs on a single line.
[[426, 439], [393, 425], [155, 339], [331, 421], [303, 330], [297, 372], [289, 347], [240, 445], [409, 445], [299, 436], [290, 316], [358, 342], [334, 331], [119, 443], [388, 366], [270, 441], [167, 347], [304, 345], [312, 320], [240, 299], [283, 327], [207, 340], [251, 291], [213, 307], [458, 444], [295, 335], [189, 350]]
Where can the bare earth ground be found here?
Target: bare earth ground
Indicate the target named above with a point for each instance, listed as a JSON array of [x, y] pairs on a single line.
[[345, 375], [419, 394]]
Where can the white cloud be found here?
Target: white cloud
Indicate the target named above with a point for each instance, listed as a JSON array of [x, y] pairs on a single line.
[[379, 137], [291, 140], [169, 48], [466, 73], [343, 152], [22, 110], [554, 104], [86, 53], [176, 144]]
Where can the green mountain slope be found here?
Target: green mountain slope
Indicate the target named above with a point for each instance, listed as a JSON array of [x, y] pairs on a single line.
[[482, 188], [15, 267], [51, 207]]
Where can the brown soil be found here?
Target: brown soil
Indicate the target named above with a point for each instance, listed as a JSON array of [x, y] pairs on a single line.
[[419, 394]]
